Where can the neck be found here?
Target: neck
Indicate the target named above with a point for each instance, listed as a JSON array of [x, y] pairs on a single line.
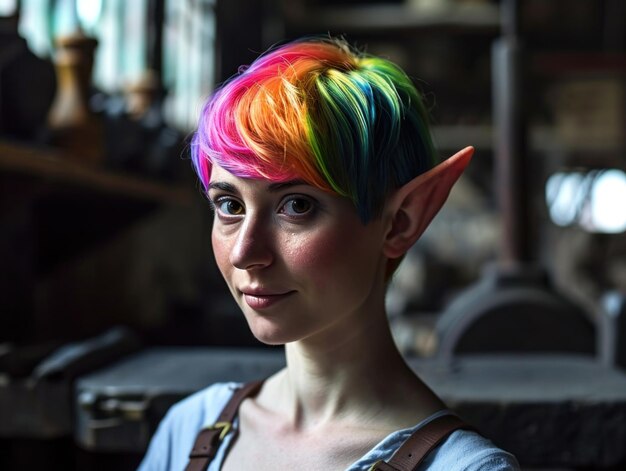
[[343, 373]]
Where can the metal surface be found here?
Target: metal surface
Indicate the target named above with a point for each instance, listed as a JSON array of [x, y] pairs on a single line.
[[514, 307], [510, 159], [613, 330], [550, 410], [39, 406], [514, 310], [119, 407]]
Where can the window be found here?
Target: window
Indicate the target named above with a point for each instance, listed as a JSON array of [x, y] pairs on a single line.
[[594, 200], [121, 28]]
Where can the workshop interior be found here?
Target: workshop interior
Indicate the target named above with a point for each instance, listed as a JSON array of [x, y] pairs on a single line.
[[512, 306]]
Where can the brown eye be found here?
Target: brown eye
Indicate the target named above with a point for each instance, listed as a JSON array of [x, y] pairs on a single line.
[[230, 207], [297, 206], [234, 208]]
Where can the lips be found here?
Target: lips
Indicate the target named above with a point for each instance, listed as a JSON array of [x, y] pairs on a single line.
[[263, 299]]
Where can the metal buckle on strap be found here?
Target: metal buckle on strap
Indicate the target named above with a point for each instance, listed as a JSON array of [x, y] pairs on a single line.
[[381, 465], [223, 427]]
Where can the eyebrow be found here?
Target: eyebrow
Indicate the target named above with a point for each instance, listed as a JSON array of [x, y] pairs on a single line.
[[272, 187], [227, 187]]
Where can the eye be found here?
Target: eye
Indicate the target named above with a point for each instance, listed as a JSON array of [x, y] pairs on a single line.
[[229, 206], [297, 206]]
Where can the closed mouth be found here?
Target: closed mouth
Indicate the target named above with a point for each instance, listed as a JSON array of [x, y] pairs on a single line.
[[264, 299], [264, 292]]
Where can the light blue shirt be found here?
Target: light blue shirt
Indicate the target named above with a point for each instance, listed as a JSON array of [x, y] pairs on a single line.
[[173, 440]]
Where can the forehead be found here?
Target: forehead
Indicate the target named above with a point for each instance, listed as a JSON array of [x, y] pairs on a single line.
[[221, 178]]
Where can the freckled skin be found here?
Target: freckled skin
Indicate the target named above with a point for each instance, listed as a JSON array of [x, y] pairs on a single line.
[[328, 260], [319, 278]]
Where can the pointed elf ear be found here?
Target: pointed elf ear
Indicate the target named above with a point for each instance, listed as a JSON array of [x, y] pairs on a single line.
[[414, 205]]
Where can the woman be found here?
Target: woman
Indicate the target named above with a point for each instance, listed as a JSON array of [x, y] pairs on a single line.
[[320, 168]]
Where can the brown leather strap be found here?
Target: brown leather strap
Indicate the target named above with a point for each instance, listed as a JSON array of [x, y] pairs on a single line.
[[413, 451], [406, 458], [209, 438]]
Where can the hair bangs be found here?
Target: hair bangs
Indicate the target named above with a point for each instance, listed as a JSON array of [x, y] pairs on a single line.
[[319, 111]]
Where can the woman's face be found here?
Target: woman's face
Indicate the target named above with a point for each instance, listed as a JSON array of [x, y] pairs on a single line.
[[297, 260]]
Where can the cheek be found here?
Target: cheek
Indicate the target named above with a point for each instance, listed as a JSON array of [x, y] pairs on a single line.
[[330, 260], [221, 252], [312, 254]]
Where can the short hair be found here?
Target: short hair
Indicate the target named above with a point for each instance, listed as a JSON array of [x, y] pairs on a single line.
[[318, 110]]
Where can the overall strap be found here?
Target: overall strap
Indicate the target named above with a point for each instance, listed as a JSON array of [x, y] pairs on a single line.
[[210, 438], [413, 451]]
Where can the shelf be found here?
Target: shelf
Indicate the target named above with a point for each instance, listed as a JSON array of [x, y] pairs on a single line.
[[568, 64], [479, 19], [542, 139], [51, 165], [456, 137]]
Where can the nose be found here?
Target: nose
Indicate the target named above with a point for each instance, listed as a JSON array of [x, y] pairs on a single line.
[[252, 248]]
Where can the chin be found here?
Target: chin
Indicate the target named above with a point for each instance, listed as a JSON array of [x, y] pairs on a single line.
[[270, 339], [269, 332], [270, 342]]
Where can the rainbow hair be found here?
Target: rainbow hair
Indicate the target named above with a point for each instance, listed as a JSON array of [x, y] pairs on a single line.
[[317, 110]]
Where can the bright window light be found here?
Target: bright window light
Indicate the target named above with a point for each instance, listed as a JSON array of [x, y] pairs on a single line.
[[88, 12], [563, 196], [608, 202], [595, 200], [7, 7]]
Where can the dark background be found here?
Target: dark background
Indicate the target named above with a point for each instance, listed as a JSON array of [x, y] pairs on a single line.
[[103, 224]]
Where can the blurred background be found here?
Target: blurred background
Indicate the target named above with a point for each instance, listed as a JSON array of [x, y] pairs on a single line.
[[105, 234]]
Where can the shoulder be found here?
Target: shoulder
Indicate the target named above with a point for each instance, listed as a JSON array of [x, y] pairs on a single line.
[[468, 451], [201, 408], [174, 438]]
